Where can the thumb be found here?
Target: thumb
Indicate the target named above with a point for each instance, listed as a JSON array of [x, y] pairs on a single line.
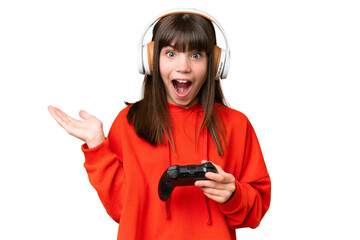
[[84, 115], [218, 168]]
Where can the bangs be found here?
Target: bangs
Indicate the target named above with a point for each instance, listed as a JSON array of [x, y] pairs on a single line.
[[187, 32]]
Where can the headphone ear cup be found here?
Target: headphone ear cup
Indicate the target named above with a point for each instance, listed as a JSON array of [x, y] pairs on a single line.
[[150, 54], [219, 60], [147, 59]]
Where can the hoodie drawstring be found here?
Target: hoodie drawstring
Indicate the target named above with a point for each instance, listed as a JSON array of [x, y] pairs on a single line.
[[206, 157], [167, 164]]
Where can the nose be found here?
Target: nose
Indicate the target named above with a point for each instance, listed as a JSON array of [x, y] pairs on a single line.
[[183, 63]]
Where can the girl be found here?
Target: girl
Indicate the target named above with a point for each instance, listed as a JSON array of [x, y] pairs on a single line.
[[181, 120]]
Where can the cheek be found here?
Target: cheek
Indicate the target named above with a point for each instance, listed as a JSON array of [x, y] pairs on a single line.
[[202, 72], [164, 69], [201, 78]]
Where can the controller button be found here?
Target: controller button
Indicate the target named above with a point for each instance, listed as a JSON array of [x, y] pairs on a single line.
[[172, 175]]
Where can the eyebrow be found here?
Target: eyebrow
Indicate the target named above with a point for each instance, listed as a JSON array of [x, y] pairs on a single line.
[[172, 46]]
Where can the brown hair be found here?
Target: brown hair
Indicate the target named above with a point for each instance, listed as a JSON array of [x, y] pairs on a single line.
[[150, 116]]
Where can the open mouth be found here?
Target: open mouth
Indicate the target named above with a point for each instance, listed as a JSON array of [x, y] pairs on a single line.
[[181, 87]]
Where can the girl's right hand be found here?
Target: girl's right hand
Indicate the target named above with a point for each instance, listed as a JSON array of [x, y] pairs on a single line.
[[90, 130]]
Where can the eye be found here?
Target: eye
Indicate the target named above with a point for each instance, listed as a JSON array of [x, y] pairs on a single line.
[[170, 53], [196, 55]]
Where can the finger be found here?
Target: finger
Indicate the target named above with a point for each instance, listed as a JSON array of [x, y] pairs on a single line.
[[70, 122], [84, 115], [217, 177], [66, 118], [219, 195], [216, 192], [209, 184], [223, 178], [216, 198], [51, 109], [57, 116], [65, 121], [211, 191]]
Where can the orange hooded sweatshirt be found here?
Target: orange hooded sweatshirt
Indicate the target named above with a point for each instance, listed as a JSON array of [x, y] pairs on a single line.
[[125, 171]]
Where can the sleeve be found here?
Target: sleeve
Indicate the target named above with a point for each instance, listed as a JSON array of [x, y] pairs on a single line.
[[105, 173], [251, 198]]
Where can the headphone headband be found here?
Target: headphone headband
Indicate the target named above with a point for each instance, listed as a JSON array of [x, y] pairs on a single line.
[[224, 63]]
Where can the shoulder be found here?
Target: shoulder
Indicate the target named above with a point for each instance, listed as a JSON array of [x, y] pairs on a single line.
[[231, 116], [235, 123], [121, 119], [122, 114]]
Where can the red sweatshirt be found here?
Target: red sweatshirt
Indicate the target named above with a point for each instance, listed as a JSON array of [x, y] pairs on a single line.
[[125, 171]]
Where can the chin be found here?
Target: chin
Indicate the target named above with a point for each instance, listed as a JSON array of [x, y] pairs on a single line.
[[187, 104]]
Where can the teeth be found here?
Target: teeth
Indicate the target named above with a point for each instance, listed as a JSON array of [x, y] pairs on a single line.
[[181, 86], [182, 81]]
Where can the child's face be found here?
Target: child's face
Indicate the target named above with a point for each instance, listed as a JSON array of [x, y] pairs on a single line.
[[183, 74]]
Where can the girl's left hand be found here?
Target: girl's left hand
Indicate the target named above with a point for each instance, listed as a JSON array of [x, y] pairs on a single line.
[[220, 188]]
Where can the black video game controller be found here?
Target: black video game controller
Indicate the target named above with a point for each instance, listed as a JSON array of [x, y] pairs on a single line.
[[182, 176]]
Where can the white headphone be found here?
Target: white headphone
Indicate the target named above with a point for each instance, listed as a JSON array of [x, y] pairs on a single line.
[[221, 56]]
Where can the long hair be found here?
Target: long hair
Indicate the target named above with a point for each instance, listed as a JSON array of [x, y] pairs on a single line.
[[150, 116]]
